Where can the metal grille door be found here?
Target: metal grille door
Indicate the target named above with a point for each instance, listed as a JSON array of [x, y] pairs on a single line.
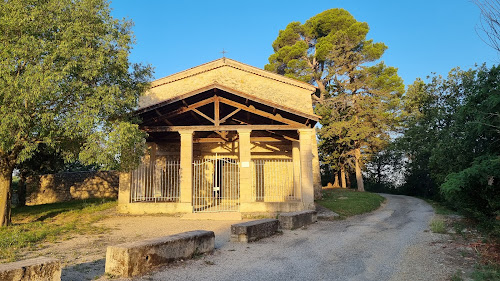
[[216, 185], [156, 182], [273, 181]]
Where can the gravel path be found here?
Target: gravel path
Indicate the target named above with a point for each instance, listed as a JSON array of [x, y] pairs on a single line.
[[391, 243]]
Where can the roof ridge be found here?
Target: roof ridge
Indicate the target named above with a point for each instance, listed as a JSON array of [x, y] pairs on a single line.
[[282, 79]]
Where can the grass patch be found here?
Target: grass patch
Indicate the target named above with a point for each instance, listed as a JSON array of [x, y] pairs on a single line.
[[486, 273], [33, 225], [438, 226], [439, 208], [349, 202]]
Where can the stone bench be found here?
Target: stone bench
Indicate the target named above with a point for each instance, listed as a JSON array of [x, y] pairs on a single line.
[[294, 220], [253, 230], [37, 269], [135, 258]]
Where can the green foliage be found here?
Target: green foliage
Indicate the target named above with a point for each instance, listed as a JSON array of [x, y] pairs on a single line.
[[358, 102], [451, 142], [476, 190], [34, 225], [346, 202], [486, 273], [67, 83]]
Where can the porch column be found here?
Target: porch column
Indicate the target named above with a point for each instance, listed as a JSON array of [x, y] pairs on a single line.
[[186, 169], [296, 168], [306, 170], [245, 168]]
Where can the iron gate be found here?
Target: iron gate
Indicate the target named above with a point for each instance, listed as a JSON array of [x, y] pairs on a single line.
[[216, 185]]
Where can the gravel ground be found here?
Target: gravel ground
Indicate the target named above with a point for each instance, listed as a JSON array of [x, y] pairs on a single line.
[[392, 243]]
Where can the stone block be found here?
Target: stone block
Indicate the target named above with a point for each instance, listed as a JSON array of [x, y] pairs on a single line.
[[294, 220], [253, 230], [136, 258], [37, 269]]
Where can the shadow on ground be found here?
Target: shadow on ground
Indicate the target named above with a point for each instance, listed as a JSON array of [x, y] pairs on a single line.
[[83, 271]]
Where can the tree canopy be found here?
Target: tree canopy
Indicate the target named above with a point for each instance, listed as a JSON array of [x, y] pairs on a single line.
[[358, 97], [67, 83]]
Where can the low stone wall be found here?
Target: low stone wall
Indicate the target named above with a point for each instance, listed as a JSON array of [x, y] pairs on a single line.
[[253, 230], [296, 220], [37, 269], [71, 186], [136, 258]]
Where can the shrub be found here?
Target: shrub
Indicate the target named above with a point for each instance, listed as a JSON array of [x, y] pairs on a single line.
[[475, 191]]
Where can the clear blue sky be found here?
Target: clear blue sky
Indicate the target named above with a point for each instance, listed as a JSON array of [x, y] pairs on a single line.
[[423, 36]]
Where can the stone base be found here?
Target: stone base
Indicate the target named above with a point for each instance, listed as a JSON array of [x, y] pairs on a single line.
[[141, 208], [296, 220], [131, 259], [37, 269], [253, 230]]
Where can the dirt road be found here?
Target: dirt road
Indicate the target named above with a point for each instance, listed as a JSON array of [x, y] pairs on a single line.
[[392, 243]]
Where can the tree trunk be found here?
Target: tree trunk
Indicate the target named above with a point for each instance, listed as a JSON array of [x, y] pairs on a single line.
[[359, 175], [336, 181], [5, 196], [21, 191], [342, 176]]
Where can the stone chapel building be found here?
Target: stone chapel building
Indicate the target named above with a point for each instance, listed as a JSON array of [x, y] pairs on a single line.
[[225, 137]]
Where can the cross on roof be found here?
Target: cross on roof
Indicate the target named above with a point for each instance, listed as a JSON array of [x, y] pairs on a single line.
[[223, 53]]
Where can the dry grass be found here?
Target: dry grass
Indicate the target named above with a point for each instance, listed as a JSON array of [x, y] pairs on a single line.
[[34, 225]]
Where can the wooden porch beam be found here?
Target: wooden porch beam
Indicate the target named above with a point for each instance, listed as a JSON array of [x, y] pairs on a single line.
[[252, 109], [222, 128]]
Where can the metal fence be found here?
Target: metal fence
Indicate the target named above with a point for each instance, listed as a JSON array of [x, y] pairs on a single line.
[[216, 185], [156, 183], [273, 180]]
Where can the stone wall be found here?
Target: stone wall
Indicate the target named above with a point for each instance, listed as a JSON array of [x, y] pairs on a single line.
[[71, 186]]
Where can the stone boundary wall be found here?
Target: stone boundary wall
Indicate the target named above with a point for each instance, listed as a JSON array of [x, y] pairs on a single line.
[[136, 258], [69, 186], [37, 269]]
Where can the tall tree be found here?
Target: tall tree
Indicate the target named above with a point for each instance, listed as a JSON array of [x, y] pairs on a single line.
[[357, 102], [66, 82], [490, 22]]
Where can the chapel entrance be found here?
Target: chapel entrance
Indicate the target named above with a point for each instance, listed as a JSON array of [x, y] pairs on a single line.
[[216, 184]]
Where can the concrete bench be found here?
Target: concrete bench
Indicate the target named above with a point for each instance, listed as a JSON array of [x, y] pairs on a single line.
[[135, 258], [253, 230], [37, 269], [294, 220]]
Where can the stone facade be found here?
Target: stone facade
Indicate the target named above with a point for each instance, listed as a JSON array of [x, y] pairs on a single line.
[[228, 111], [235, 75], [69, 186]]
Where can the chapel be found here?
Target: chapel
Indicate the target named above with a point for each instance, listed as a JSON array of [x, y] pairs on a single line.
[[225, 137]]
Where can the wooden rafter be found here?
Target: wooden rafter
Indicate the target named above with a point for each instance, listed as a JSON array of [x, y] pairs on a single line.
[[252, 109], [229, 115], [189, 108], [203, 115]]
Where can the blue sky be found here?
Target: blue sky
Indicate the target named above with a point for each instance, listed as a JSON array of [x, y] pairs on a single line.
[[423, 36]]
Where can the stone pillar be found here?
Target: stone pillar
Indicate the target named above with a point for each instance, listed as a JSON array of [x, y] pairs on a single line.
[[245, 168], [316, 168], [306, 167], [124, 188], [296, 168], [186, 171]]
